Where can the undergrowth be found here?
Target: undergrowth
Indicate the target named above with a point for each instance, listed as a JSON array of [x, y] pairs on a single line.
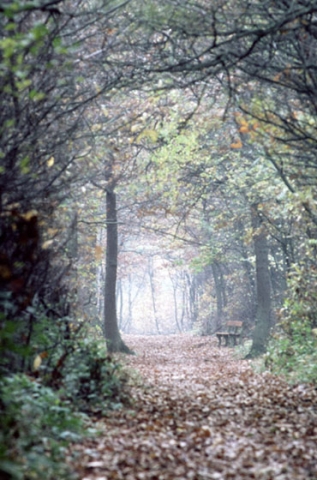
[[47, 406], [36, 428], [293, 356], [292, 350]]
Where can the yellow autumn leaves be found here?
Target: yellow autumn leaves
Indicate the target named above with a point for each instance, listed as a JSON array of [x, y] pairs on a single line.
[[50, 162], [37, 362], [237, 144], [244, 128]]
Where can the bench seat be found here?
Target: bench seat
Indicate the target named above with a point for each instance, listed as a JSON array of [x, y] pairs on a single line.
[[232, 334]]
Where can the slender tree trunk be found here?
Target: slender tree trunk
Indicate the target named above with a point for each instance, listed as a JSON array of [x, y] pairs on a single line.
[[73, 237], [250, 285], [184, 302], [192, 299], [153, 294], [174, 286], [263, 312], [223, 287], [112, 334], [130, 305], [219, 295]]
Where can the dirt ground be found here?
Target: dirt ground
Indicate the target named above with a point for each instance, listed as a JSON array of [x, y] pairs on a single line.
[[199, 413]]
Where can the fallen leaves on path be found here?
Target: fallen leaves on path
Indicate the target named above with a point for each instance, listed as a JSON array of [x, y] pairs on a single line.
[[198, 414]]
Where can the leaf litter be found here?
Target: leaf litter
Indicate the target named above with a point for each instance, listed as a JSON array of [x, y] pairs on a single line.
[[199, 413]]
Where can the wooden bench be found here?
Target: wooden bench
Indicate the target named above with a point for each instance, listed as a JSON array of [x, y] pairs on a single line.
[[233, 332]]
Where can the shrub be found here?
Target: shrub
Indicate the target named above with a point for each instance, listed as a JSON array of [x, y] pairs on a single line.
[[36, 428], [292, 350], [37, 412], [294, 355], [92, 380], [49, 369]]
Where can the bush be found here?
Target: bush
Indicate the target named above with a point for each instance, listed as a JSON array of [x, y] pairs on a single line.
[[92, 380], [61, 372], [49, 369], [63, 357], [292, 350], [294, 355], [36, 428]]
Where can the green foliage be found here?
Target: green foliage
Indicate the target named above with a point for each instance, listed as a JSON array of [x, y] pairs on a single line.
[[293, 349], [66, 373], [92, 380], [62, 355], [301, 303], [36, 428], [24, 335], [294, 356]]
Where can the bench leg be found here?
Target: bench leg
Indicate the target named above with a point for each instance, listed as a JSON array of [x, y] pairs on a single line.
[[227, 341]]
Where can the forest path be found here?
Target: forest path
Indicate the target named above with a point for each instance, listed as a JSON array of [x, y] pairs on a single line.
[[201, 414]]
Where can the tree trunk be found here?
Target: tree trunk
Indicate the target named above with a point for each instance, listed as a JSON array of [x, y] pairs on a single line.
[[153, 294], [250, 285], [219, 295], [174, 287], [112, 334], [192, 299], [130, 305], [263, 311]]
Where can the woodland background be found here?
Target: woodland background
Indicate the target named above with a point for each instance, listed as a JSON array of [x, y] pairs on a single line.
[[157, 176]]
